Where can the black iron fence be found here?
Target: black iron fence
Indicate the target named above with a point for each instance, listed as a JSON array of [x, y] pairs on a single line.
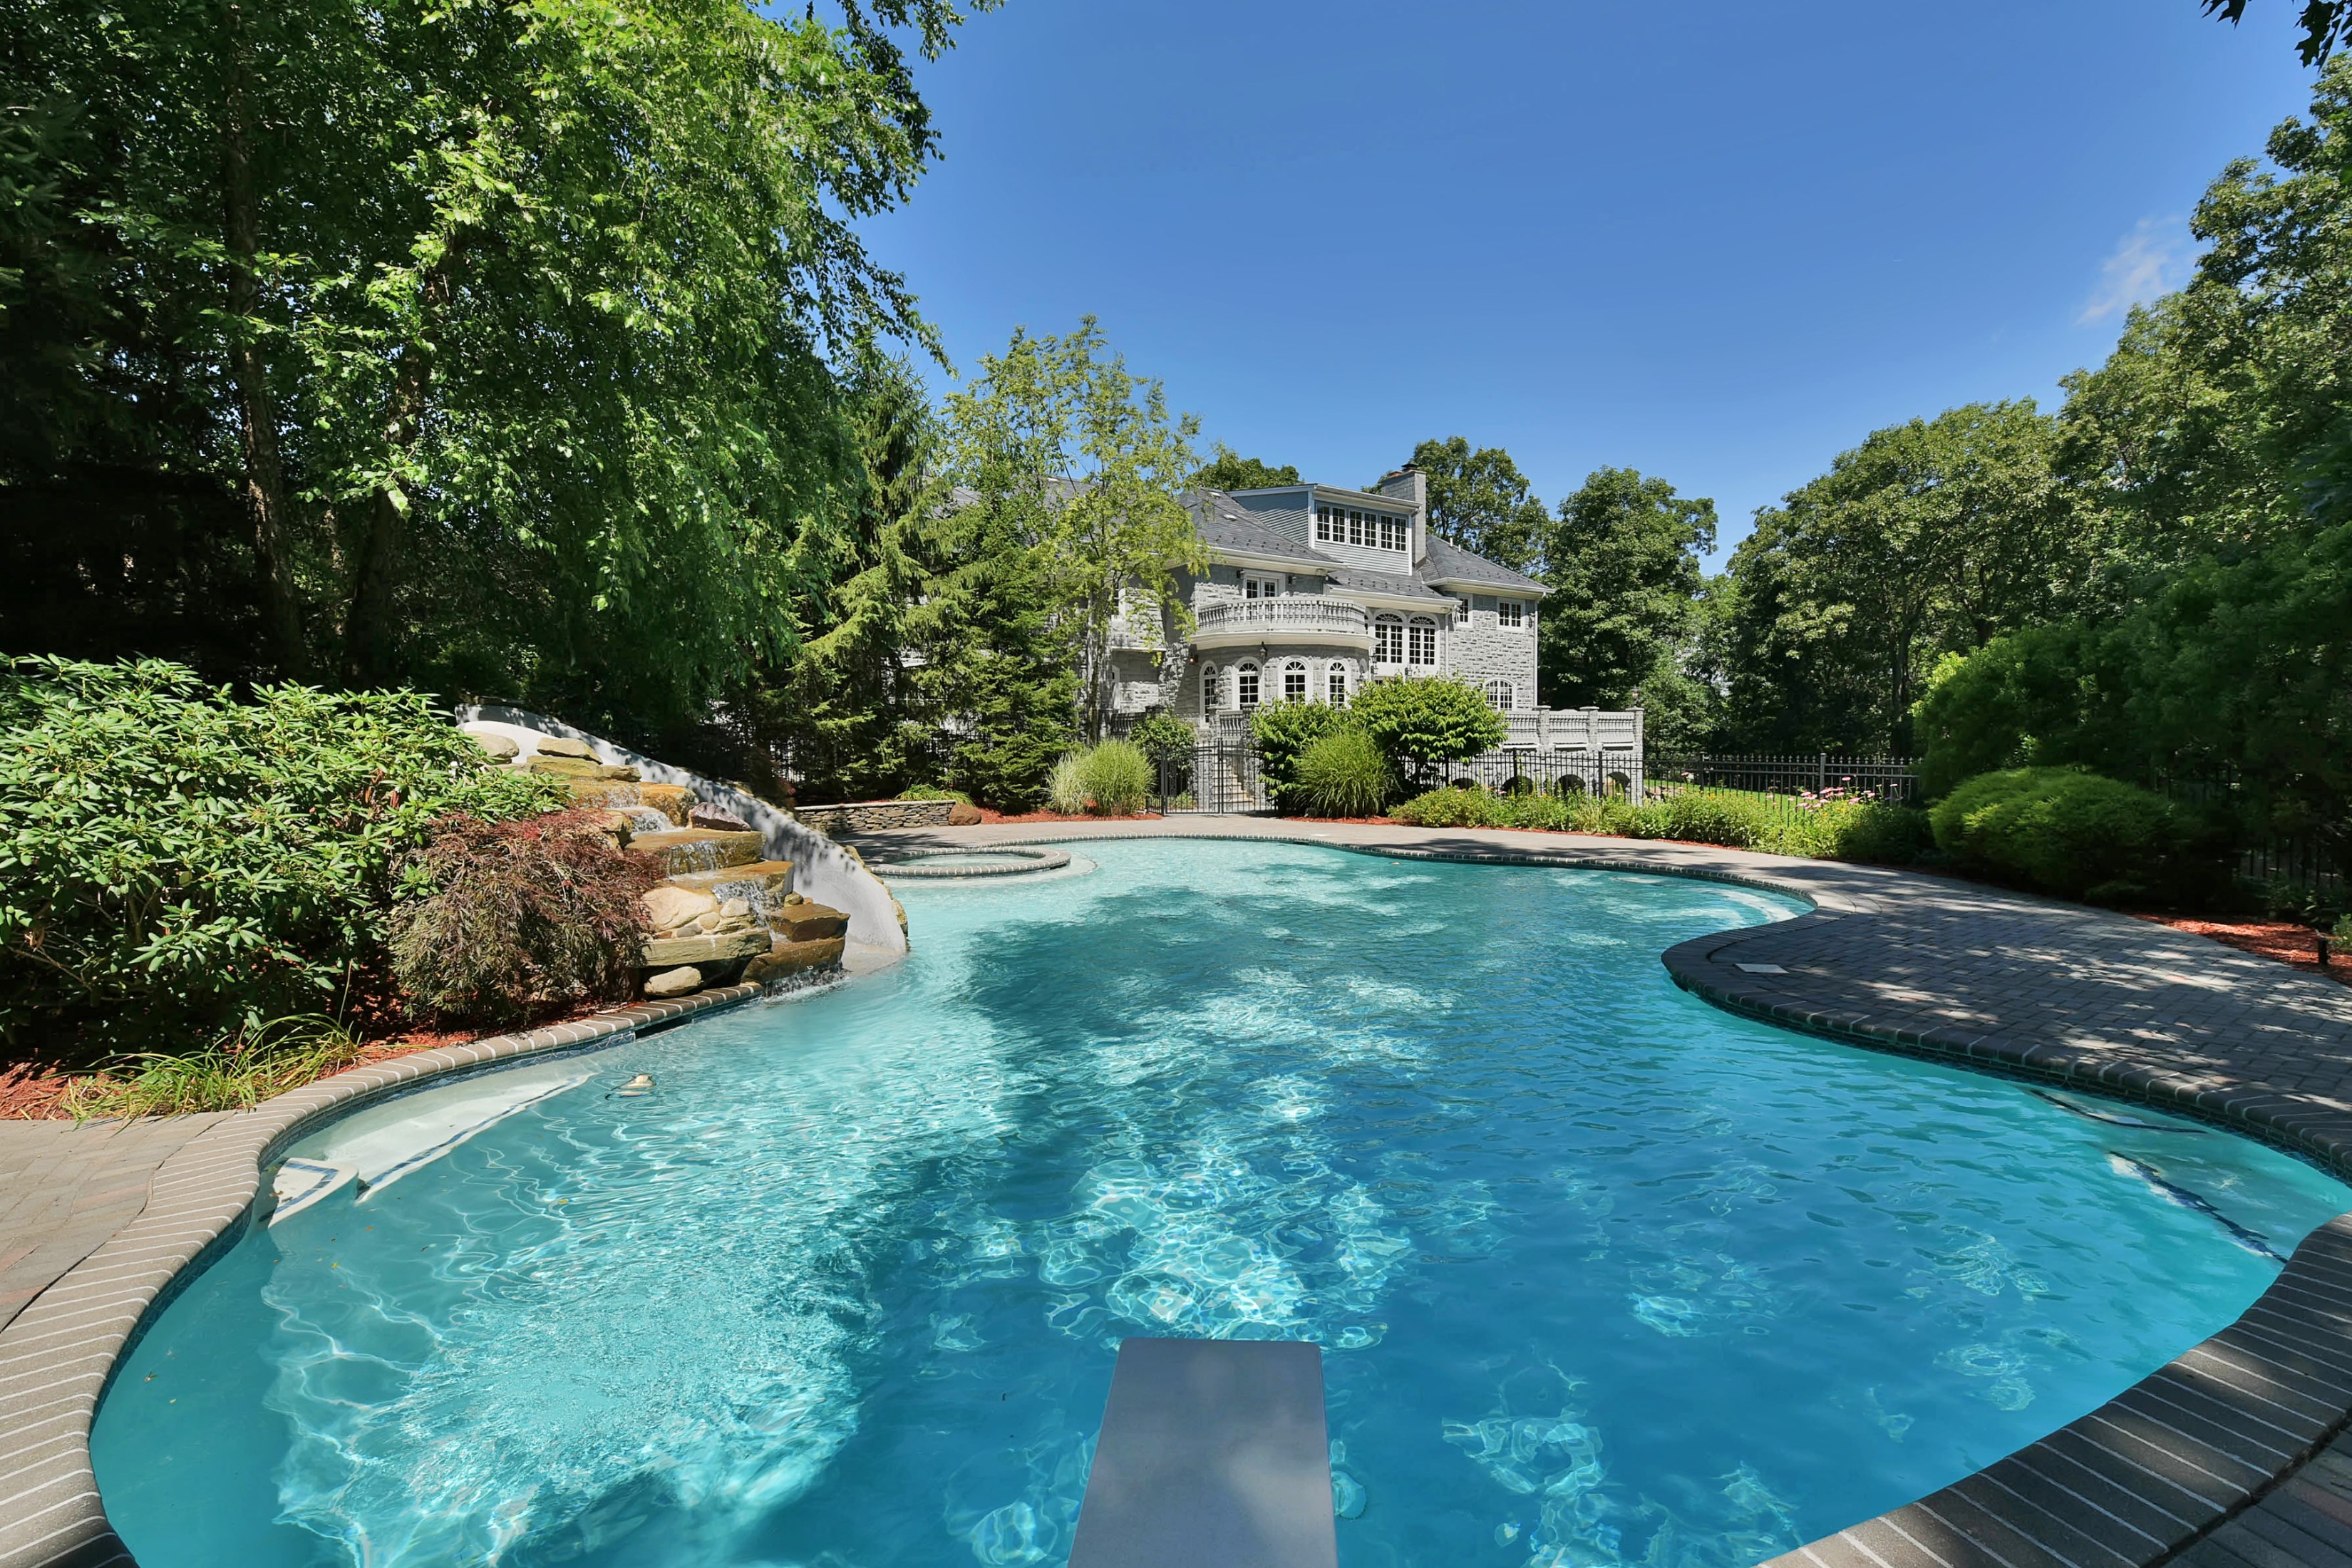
[[1219, 775], [2295, 868], [1818, 773]]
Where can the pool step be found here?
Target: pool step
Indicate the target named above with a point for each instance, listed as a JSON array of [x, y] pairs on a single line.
[[1212, 1452]]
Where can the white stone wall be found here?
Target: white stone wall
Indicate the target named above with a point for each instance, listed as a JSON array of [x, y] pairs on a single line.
[[1319, 659], [1478, 650]]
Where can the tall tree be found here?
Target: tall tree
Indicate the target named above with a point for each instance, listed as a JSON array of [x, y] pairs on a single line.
[[2212, 447], [1623, 555], [2327, 25], [1479, 500], [1227, 470], [510, 327], [1058, 433], [846, 707], [1930, 537]]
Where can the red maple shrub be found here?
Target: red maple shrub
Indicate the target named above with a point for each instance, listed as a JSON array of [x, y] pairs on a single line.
[[507, 921]]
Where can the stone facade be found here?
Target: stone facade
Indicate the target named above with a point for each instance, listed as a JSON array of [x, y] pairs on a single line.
[[1314, 590], [865, 815]]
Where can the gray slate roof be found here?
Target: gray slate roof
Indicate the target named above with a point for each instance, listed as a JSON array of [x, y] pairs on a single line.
[[1226, 525], [1449, 563]]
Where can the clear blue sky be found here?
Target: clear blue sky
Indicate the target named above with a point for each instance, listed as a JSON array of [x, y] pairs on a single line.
[[1713, 240]]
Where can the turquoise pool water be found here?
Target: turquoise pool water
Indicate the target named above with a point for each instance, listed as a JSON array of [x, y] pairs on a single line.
[[1603, 1276]]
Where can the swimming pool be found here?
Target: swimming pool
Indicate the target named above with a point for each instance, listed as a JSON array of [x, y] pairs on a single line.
[[1603, 1274]]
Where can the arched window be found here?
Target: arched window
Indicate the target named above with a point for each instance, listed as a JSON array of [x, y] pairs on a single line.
[[1212, 696], [1245, 685], [1387, 640], [1499, 696], [1294, 682], [1336, 685], [1420, 642]]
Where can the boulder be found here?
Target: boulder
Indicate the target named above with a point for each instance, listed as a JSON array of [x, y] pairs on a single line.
[[785, 959], [673, 801], [564, 746], [707, 951], [766, 882], [711, 817], [613, 825], [670, 906], [501, 748], [699, 848], [580, 768], [961, 814], [683, 982], [806, 921]]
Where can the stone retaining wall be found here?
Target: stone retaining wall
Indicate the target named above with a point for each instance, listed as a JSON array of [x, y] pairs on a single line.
[[873, 816]]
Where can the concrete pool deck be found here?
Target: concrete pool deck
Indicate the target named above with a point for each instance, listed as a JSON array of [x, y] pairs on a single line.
[[2229, 1457]]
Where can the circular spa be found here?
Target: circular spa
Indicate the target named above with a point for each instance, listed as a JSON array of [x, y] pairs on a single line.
[[1602, 1274]]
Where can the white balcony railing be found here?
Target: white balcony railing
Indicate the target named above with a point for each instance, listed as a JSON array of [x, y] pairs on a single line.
[[1284, 614]]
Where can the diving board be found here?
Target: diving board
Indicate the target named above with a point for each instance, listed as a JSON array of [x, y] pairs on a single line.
[[1212, 1452]]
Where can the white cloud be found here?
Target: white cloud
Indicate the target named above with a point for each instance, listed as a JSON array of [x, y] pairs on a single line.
[[2146, 263]]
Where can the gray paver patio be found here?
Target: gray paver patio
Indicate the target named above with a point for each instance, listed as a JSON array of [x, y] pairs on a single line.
[[2232, 1456]]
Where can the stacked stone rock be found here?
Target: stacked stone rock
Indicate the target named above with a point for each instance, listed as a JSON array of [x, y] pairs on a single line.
[[724, 912]]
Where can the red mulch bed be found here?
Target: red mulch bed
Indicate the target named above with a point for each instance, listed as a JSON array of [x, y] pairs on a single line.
[[2284, 940], [988, 816]]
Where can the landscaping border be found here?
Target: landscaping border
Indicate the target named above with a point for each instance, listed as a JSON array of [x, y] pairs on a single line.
[[59, 1354]]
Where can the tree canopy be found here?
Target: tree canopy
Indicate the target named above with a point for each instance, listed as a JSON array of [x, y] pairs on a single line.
[[1931, 537], [1479, 500], [489, 345], [1623, 554], [1227, 470]]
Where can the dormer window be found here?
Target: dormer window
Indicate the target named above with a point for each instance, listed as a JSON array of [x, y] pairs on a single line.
[[1365, 530]]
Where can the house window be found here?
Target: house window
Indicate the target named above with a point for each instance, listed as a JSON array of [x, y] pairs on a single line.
[[1510, 613], [1355, 527], [1294, 682], [1245, 687], [1337, 686], [1392, 533], [1212, 695], [1387, 640], [1499, 696], [1260, 587], [1420, 642], [1325, 530]]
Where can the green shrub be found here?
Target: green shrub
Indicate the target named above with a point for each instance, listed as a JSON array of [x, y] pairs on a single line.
[[1704, 816], [1882, 833], [1424, 724], [1116, 778], [1283, 730], [180, 867], [2342, 940], [2076, 833], [1527, 809], [522, 917], [1448, 807], [1066, 784], [1344, 773], [933, 791], [1164, 738]]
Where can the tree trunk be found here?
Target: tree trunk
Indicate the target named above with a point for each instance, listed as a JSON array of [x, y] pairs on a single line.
[[265, 481], [369, 656]]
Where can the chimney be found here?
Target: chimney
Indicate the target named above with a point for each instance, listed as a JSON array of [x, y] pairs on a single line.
[[1409, 483]]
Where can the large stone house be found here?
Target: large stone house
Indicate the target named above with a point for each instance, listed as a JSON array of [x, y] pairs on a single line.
[[1314, 590]]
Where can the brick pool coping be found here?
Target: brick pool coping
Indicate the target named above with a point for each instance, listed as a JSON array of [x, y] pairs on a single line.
[[2227, 1457]]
